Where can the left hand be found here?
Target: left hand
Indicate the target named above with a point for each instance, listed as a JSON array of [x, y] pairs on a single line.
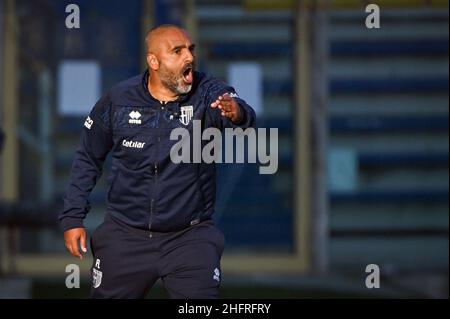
[[229, 107]]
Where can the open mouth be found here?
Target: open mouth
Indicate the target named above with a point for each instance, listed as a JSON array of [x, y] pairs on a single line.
[[188, 74]]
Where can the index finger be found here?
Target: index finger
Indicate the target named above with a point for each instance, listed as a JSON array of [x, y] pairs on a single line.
[[215, 104], [74, 248]]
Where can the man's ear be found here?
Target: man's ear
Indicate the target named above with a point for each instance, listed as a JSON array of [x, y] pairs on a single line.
[[152, 62]]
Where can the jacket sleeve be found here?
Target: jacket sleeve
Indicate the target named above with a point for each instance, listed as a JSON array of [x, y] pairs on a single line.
[[95, 143], [214, 89]]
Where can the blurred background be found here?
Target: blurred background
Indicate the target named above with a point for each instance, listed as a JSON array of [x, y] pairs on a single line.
[[362, 117]]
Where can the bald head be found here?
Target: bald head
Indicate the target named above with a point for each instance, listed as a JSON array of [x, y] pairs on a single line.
[[170, 59], [155, 36]]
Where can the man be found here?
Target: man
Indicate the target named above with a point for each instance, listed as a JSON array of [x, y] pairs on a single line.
[[159, 214]]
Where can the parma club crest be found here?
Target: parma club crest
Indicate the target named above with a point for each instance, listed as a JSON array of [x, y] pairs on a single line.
[[186, 113], [96, 278]]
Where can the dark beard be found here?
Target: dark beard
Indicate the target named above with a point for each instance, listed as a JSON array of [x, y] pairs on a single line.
[[171, 81], [168, 79]]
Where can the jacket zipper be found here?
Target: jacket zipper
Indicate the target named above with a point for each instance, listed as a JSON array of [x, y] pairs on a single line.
[[155, 168], [152, 200]]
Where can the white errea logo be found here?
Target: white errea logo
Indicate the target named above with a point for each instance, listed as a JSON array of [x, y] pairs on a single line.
[[134, 117], [216, 274], [133, 144], [88, 123]]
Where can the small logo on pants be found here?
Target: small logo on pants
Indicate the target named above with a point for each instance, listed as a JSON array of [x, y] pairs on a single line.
[[96, 278], [96, 274], [216, 274]]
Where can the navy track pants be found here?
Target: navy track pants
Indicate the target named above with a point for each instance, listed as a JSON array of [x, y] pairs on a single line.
[[127, 261]]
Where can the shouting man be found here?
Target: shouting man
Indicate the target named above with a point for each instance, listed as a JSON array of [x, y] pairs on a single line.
[[159, 214]]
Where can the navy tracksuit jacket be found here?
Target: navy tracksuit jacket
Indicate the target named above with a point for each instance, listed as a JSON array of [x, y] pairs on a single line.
[[146, 190]]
